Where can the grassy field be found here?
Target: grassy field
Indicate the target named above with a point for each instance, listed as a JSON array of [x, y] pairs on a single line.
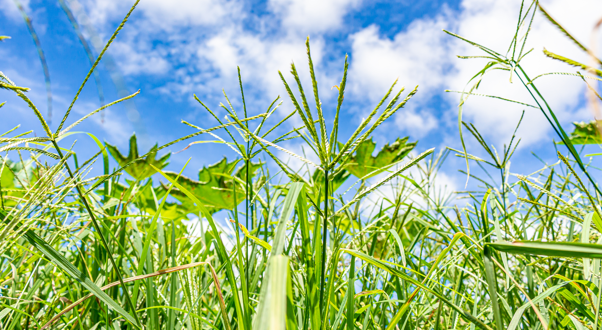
[[387, 251]]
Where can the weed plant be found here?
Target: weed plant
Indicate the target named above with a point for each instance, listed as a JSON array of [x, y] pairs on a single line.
[[113, 251]]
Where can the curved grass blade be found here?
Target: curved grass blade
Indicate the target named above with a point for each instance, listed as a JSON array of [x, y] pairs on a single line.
[[128, 280], [492, 284], [551, 249], [271, 309], [221, 249], [64, 264], [382, 265], [271, 314]]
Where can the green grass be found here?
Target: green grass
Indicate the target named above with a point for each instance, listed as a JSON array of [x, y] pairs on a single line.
[[521, 251]]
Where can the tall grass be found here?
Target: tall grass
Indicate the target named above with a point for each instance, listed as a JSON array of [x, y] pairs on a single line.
[[113, 251]]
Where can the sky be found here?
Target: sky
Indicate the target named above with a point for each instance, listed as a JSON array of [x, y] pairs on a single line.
[[173, 50]]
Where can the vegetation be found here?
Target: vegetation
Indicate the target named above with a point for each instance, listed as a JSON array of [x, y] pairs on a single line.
[[114, 251]]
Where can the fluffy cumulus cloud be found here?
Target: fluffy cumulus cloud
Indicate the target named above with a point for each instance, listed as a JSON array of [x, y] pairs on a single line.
[[9, 10], [422, 54], [313, 16], [416, 56], [417, 124], [196, 46], [489, 23], [165, 15]]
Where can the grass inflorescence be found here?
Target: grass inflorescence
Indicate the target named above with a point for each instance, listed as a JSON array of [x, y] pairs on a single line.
[[391, 251]]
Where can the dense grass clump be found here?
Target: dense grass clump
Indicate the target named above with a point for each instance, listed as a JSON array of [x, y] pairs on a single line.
[[114, 251]]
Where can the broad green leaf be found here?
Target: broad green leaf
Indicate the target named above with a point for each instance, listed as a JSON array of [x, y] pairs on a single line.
[[586, 133], [317, 184], [8, 178], [216, 185], [272, 311], [364, 165], [145, 201], [141, 168], [17, 178]]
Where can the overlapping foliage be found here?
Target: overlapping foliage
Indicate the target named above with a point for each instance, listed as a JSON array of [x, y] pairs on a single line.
[[392, 251]]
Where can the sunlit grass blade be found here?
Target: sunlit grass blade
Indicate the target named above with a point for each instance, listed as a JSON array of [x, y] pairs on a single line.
[[271, 312], [492, 284], [380, 264], [551, 249], [62, 263], [127, 280], [351, 295], [221, 249]]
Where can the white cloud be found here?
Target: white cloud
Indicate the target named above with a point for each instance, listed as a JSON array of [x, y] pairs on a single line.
[[416, 56], [203, 60], [491, 23], [136, 59], [259, 58], [417, 124], [165, 15], [422, 54], [9, 9], [187, 12], [311, 16]]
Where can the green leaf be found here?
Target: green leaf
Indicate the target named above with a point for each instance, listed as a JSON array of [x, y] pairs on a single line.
[[17, 178], [62, 263], [364, 165], [221, 249], [271, 310], [141, 168], [317, 184], [7, 179], [395, 272], [585, 133], [492, 284], [273, 314], [216, 185], [551, 249], [351, 295]]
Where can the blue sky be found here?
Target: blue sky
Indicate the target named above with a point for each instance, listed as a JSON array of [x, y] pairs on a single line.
[[171, 50]]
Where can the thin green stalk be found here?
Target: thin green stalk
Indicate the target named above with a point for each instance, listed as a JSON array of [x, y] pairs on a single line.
[[324, 241], [98, 230]]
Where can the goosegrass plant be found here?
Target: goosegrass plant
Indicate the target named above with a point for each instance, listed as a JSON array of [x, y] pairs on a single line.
[[114, 251], [550, 193]]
